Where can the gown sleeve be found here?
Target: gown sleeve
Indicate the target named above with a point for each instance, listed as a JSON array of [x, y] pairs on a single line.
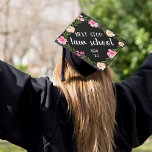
[[134, 105], [27, 108]]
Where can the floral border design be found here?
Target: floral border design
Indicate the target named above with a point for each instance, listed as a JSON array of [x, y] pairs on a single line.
[[111, 53]]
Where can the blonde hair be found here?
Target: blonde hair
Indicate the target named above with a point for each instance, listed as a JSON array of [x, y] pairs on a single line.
[[92, 104]]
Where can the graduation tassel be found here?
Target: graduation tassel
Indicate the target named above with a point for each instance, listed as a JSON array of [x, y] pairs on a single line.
[[63, 64]]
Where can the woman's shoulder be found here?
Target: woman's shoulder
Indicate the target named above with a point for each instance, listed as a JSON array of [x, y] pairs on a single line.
[[60, 99]]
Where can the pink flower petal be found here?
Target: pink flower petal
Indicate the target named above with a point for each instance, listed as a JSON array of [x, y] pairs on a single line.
[[111, 53], [81, 19], [78, 54], [62, 40], [81, 52], [78, 18], [109, 50], [93, 23], [121, 44]]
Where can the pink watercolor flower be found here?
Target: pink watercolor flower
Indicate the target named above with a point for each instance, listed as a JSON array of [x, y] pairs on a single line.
[[81, 52], [93, 23], [81, 19], [62, 40], [78, 54], [111, 53], [121, 44]]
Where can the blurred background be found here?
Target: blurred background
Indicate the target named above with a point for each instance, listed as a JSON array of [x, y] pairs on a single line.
[[28, 30]]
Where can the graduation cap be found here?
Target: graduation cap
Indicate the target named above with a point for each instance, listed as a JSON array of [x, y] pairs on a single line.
[[88, 46]]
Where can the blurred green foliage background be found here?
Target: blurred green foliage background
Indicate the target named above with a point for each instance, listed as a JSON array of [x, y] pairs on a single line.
[[131, 20]]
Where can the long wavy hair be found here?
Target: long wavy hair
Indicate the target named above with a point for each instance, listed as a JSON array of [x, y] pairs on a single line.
[[92, 104]]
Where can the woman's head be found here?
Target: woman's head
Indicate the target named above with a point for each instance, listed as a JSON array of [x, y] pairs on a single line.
[[91, 102]]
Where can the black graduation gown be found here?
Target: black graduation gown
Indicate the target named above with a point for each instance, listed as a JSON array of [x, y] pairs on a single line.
[[33, 115]]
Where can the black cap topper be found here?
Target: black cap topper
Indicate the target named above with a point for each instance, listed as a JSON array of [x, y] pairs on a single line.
[[91, 41]]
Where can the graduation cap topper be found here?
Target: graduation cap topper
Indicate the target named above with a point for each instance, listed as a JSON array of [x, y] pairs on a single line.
[[92, 42]]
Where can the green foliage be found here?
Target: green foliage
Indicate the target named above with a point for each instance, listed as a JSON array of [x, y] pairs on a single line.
[[23, 68], [131, 20], [8, 147], [147, 147]]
